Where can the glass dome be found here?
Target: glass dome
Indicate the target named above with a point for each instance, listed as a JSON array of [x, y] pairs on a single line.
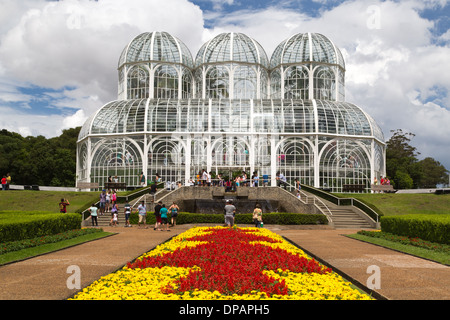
[[307, 47], [232, 47], [156, 46]]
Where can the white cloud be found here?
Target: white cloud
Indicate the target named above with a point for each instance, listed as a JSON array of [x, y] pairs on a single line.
[[78, 43], [395, 71]]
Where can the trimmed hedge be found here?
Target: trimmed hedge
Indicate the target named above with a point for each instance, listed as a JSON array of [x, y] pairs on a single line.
[[26, 225], [435, 228], [245, 218]]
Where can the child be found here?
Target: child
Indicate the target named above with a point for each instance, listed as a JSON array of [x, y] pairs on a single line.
[[114, 211], [114, 222]]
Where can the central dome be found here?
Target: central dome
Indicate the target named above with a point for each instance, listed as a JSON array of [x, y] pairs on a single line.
[[232, 47]]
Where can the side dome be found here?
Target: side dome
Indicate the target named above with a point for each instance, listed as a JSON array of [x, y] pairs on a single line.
[[232, 47], [155, 47], [307, 47]]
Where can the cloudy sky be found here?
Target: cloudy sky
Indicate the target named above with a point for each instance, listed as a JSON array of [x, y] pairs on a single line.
[[58, 59]]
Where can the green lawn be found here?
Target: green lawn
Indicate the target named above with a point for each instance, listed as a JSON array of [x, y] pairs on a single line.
[[403, 203], [18, 200], [441, 257], [46, 248]]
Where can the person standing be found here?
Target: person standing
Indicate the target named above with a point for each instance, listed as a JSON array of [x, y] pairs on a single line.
[[142, 179], [93, 211], [102, 202], [4, 183], [142, 210], [114, 214], [173, 214], [230, 211], [8, 181], [257, 215], [158, 216], [127, 212], [108, 201], [62, 205], [163, 212]]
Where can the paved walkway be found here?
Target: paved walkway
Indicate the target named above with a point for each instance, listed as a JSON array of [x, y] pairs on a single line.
[[403, 277]]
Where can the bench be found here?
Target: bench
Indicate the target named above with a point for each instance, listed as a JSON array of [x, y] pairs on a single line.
[[387, 188], [353, 187], [87, 185], [116, 185]]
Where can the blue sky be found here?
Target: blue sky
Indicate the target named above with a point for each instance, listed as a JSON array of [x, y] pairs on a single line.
[[58, 59]]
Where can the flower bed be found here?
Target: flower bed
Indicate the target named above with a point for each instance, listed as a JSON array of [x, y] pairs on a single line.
[[413, 241], [223, 263]]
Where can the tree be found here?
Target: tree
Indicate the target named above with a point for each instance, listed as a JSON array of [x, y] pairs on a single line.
[[433, 173], [403, 167], [37, 160], [401, 157]]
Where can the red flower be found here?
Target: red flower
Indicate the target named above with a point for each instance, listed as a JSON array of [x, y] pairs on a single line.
[[230, 264]]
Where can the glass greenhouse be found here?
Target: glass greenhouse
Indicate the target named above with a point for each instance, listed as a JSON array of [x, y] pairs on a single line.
[[231, 109]]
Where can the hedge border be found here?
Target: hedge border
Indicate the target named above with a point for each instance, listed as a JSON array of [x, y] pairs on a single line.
[[244, 218], [434, 228]]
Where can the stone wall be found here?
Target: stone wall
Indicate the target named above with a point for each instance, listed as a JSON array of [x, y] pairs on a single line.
[[286, 200]]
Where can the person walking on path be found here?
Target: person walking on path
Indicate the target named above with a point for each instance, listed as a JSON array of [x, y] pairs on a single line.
[[93, 211], [257, 216], [142, 210], [230, 211], [174, 214], [63, 205], [163, 212], [158, 216], [127, 212]]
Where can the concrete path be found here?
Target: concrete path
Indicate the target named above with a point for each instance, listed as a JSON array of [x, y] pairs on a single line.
[[403, 277]]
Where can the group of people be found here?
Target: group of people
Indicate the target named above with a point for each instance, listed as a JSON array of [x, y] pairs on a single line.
[[94, 211], [230, 213], [383, 181], [108, 201], [204, 178], [161, 215], [6, 181]]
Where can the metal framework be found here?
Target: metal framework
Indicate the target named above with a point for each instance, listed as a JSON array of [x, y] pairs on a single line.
[[232, 110]]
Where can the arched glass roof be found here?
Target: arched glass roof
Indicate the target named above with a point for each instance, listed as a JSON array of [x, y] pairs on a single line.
[[307, 47], [156, 46], [232, 47], [213, 115]]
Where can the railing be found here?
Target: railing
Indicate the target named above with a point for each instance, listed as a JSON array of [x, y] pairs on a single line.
[[343, 201], [327, 213]]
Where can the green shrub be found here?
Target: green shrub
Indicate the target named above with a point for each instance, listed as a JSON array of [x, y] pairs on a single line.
[[435, 228], [26, 225], [246, 218]]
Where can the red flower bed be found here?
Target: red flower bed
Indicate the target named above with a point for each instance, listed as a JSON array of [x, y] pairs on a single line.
[[230, 264]]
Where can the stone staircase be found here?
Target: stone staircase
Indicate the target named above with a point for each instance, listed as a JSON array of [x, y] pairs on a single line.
[[105, 219], [342, 217]]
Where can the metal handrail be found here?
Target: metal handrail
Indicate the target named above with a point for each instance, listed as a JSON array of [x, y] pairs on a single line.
[[328, 215]]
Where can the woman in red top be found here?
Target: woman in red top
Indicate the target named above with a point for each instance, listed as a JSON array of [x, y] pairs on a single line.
[[4, 183]]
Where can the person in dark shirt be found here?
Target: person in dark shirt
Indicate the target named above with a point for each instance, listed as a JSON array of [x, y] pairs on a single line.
[[158, 216]]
